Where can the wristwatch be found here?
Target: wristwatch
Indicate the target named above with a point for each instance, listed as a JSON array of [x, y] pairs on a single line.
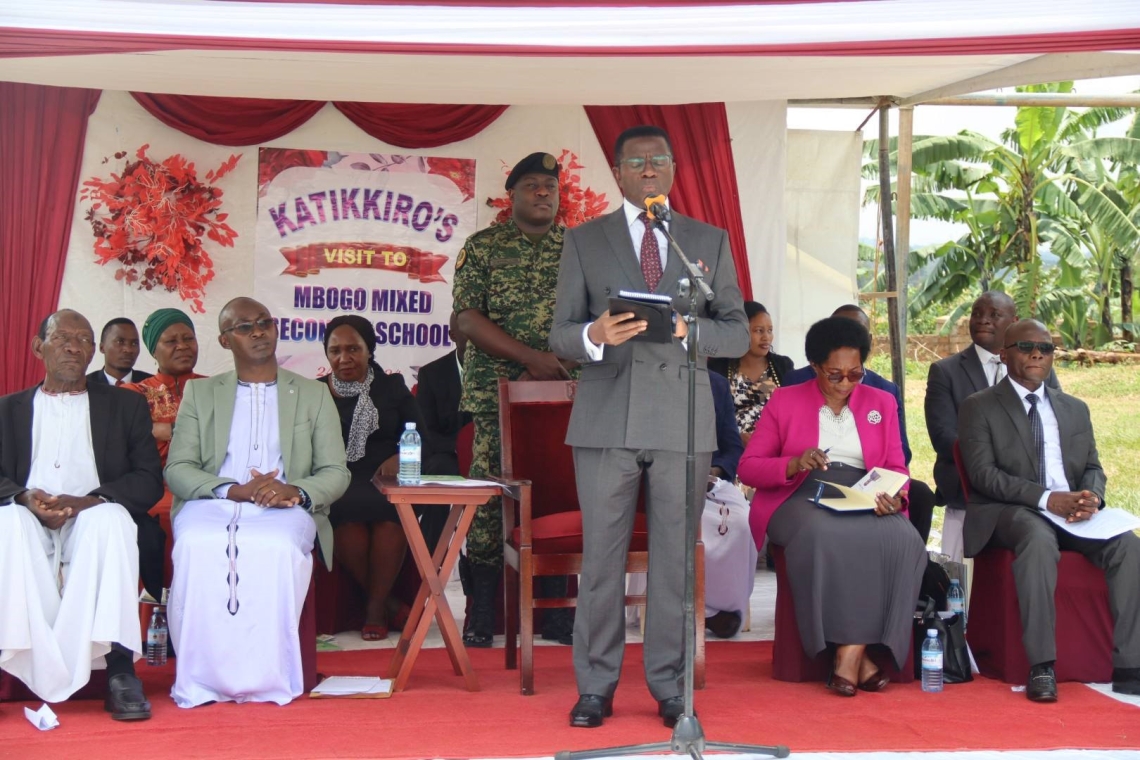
[[306, 503]]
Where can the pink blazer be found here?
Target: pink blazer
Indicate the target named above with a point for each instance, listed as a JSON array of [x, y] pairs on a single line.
[[789, 426]]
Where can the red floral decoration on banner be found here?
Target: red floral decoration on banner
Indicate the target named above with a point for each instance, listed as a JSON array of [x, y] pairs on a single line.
[[576, 204], [280, 159], [458, 170], [151, 219]]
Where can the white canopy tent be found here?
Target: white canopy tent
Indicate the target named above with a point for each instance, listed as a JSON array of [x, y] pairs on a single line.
[[754, 56]]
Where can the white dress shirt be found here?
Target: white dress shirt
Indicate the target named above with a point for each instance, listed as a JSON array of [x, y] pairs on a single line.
[[112, 380], [991, 365], [1055, 479], [637, 232]]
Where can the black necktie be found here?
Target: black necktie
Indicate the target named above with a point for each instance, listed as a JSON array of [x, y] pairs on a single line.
[[1038, 435]]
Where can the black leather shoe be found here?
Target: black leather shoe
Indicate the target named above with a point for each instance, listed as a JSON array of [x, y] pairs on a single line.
[[125, 698], [590, 710], [671, 710], [1042, 686], [1126, 681], [724, 625]]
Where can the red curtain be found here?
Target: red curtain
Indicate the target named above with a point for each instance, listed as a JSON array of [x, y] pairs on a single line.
[[420, 126], [228, 121], [249, 121], [705, 186], [42, 132]]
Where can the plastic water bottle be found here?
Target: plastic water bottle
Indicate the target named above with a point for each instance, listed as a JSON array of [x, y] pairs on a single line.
[[931, 662], [410, 449], [156, 634], [957, 601]]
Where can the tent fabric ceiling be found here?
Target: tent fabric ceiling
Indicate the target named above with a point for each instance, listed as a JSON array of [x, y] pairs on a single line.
[[470, 52]]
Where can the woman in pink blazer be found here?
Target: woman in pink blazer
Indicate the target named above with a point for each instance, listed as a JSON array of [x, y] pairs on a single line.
[[855, 577]]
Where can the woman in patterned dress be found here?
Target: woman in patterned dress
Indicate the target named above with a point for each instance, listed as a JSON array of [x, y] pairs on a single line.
[[168, 335], [754, 376]]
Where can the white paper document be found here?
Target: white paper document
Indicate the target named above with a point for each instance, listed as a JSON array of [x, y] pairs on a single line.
[[455, 480], [1107, 523], [861, 496], [347, 686], [43, 719]]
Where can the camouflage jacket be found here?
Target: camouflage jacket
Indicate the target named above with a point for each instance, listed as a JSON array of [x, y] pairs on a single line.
[[512, 282]]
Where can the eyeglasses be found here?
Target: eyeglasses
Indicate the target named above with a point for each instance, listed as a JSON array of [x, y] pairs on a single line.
[[854, 376], [245, 328], [1028, 346], [637, 163]]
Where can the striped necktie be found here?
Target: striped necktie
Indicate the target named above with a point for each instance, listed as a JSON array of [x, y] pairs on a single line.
[[1038, 435]]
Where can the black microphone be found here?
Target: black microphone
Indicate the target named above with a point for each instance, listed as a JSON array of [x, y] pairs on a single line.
[[655, 208]]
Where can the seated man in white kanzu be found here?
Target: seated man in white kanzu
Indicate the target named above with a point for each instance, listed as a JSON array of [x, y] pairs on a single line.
[[76, 461], [256, 459]]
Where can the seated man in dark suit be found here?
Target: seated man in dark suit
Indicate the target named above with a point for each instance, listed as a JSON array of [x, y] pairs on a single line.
[[438, 388], [119, 344], [1029, 449], [951, 380], [921, 498], [76, 462]]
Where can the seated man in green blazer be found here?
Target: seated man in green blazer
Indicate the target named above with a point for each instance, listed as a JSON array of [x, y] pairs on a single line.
[[256, 459]]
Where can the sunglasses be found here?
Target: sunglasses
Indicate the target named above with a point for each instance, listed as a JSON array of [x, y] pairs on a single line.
[[637, 163], [1028, 346], [854, 376], [245, 328]]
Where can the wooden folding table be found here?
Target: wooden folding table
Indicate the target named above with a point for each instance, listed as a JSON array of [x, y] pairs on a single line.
[[435, 569]]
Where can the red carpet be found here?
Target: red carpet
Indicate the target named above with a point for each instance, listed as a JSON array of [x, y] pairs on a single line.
[[435, 717]]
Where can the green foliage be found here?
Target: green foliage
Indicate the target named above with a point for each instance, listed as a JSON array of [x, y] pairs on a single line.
[[1052, 214]]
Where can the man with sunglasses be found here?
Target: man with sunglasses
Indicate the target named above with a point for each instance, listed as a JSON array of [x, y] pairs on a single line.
[[950, 381], [256, 459], [1029, 449], [627, 427]]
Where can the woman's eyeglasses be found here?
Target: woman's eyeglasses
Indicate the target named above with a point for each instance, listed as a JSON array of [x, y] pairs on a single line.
[[854, 376], [1028, 346], [245, 328]]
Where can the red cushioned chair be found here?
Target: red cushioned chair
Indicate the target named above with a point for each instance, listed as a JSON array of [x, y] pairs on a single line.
[[542, 524], [789, 660], [1084, 618]]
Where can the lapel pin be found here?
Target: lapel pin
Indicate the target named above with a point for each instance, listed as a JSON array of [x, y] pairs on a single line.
[[874, 417], [290, 390]]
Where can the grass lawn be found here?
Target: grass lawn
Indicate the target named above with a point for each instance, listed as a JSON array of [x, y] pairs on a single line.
[[1113, 395]]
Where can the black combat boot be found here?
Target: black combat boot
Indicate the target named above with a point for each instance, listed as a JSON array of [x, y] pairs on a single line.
[[480, 625]]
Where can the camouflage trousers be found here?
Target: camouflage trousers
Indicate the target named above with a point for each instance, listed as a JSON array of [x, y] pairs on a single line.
[[485, 539]]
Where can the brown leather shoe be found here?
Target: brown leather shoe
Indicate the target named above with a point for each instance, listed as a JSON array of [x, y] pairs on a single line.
[[841, 685], [877, 681]]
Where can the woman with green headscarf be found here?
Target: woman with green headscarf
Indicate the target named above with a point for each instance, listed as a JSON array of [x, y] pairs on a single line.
[[168, 335]]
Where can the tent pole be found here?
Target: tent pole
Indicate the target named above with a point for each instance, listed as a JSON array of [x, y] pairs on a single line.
[[902, 223], [890, 256]]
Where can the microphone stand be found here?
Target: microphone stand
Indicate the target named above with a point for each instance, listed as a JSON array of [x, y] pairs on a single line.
[[688, 736]]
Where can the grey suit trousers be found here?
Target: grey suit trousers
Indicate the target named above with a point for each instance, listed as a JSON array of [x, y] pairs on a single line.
[[608, 485], [1037, 546]]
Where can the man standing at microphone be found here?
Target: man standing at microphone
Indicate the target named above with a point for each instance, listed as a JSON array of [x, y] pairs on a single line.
[[627, 426]]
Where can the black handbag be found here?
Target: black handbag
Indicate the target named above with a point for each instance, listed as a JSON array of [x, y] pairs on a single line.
[[952, 636]]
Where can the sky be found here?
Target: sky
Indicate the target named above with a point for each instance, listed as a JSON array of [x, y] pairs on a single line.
[[942, 120]]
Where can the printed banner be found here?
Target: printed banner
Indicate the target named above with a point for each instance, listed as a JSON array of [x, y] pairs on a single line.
[[361, 233]]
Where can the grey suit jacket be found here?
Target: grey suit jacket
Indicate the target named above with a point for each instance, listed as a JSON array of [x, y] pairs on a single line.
[[635, 397], [311, 443], [1001, 459], [950, 382]]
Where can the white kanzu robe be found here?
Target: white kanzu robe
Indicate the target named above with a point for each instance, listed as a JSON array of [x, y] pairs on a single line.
[[65, 595], [241, 574]]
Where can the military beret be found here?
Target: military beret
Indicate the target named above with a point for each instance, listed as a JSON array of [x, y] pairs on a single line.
[[535, 163]]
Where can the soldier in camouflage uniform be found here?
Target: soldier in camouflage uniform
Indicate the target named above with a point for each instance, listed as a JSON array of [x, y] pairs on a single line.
[[505, 279]]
